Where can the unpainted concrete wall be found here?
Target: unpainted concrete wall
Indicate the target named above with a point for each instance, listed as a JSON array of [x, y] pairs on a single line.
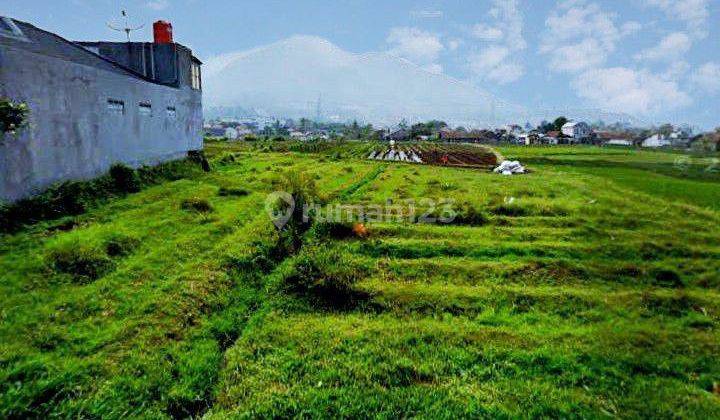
[[73, 134]]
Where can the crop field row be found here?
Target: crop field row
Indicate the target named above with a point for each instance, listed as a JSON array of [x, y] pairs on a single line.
[[446, 154]]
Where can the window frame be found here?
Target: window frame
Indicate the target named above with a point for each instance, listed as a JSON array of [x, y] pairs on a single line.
[[195, 76], [115, 106], [145, 108]]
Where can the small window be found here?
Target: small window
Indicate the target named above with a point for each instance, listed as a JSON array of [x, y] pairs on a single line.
[[171, 112], [195, 79], [115, 106], [145, 108]]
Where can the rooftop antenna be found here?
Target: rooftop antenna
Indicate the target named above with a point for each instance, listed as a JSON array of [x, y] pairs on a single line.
[[127, 28]]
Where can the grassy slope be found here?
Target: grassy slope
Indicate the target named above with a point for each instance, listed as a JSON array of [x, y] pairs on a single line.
[[560, 305]]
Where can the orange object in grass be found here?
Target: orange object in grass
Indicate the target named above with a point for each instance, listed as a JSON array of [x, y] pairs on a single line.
[[360, 230]]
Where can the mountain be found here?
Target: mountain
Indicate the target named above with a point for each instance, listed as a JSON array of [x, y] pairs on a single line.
[[290, 77]]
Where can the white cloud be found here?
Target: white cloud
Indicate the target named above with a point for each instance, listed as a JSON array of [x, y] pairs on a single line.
[[673, 46], [486, 32], [434, 68], [420, 47], [580, 35], [454, 44], [498, 61], [676, 70], [509, 19], [694, 13], [574, 58], [157, 4], [631, 27], [627, 90], [707, 77]]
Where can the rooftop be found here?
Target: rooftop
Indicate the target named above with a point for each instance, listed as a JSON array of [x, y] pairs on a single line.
[[22, 35]]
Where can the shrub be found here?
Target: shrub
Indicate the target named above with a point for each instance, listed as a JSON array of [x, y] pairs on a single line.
[[467, 214], [334, 230], [226, 158], [510, 209], [124, 178], [198, 156], [232, 192], [324, 272], [118, 245], [196, 204], [13, 116], [251, 137], [263, 258], [667, 278], [84, 262]]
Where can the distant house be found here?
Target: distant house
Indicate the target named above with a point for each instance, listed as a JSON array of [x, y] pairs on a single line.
[[514, 129], [619, 142], [243, 130], [398, 135], [475, 136], [231, 133], [679, 139], [610, 138], [576, 130], [528, 139], [214, 131], [657, 140], [297, 135], [552, 137]]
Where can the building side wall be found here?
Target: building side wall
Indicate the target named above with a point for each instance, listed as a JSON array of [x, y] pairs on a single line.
[[73, 134]]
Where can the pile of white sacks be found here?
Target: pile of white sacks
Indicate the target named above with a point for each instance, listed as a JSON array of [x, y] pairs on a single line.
[[509, 167]]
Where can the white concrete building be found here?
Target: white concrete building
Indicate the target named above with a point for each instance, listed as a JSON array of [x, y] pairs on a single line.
[[576, 130], [231, 133], [657, 140]]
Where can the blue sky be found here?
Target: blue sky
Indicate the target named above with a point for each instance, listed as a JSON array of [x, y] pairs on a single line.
[[658, 60]]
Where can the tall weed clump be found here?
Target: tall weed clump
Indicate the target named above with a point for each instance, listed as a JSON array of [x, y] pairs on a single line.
[[303, 191], [323, 272], [82, 261]]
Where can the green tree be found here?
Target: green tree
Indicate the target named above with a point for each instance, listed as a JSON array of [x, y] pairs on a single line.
[[545, 126], [559, 122], [666, 129]]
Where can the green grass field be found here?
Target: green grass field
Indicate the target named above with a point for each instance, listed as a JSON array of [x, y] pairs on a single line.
[[589, 287]]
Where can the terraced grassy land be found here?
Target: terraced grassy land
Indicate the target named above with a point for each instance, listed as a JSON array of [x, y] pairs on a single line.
[[587, 288]]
